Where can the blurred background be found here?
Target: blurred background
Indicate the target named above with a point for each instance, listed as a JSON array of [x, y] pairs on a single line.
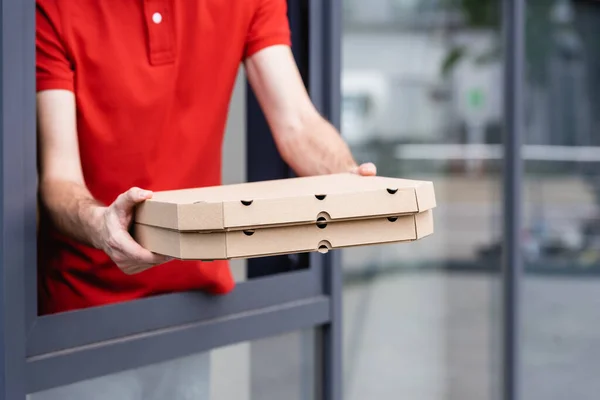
[[422, 90]]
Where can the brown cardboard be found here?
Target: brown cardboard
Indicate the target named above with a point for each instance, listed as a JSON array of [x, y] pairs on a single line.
[[283, 239], [285, 202]]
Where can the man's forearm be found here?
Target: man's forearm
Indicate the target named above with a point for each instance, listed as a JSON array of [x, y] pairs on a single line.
[[73, 210], [316, 149]]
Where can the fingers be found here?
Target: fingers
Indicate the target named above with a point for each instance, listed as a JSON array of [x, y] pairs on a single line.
[[119, 245], [138, 254], [126, 201], [130, 256], [136, 269], [367, 169]]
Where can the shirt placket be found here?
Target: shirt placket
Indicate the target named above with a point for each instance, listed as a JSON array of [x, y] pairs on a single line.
[[160, 25]]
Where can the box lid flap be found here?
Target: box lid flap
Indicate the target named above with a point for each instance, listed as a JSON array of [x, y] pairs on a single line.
[[285, 201]]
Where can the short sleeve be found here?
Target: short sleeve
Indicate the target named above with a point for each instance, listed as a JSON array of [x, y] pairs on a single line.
[[53, 67], [269, 26]]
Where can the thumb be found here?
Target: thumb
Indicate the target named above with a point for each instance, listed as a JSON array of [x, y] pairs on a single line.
[[128, 200]]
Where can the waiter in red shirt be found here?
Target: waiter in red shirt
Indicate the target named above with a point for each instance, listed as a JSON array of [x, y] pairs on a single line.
[[133, 97]]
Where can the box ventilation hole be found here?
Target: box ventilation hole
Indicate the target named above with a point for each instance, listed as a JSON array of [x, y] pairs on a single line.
[[392, 219], [392, 190], [324, 246], [247, 202], [249, 232], [321, 222], [320, 196]]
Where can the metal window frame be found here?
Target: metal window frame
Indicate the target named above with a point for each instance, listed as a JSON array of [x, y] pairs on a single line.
[[513, 17], [39, 353]]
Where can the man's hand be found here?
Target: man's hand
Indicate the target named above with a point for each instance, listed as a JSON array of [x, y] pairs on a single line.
[[367, 169], [114, 237]]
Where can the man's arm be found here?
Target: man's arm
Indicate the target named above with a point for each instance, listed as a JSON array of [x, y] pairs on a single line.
[[307, 142], [63, 192], [70, 205]]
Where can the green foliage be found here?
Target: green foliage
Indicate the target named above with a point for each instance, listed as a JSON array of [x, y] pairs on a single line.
[[452, 58], [481, 13]]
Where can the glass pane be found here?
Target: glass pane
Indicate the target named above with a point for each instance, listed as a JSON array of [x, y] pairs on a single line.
[[561, 333], [185, 378], [284, 367], [422, 84], [275, 368]]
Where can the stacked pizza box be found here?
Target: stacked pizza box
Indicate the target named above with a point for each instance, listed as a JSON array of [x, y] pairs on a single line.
[[285, 216]]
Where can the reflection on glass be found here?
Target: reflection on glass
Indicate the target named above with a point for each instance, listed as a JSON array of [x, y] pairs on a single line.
[[183, 378], [284, 367], [422, 98], [274, 368], [561, 331]]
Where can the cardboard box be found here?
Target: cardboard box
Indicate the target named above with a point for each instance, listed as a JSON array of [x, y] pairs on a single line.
[[294, 201], [289, 239]]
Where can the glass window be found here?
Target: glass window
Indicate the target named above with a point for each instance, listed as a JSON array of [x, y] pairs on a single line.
[[272, 368], [561, 333], [422, 99], [185, 378]]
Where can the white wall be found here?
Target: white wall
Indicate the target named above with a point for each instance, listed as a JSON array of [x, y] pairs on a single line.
[[410, 64]]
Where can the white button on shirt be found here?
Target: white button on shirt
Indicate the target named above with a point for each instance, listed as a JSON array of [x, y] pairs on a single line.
[[156, 18]]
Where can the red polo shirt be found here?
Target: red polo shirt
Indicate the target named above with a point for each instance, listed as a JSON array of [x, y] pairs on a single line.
[[152, 80]]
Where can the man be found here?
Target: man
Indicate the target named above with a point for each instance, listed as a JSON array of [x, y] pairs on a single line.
[[132, 98]]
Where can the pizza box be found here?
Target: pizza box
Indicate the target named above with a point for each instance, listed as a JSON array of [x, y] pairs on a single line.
[[276, 240], [293, 201]]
